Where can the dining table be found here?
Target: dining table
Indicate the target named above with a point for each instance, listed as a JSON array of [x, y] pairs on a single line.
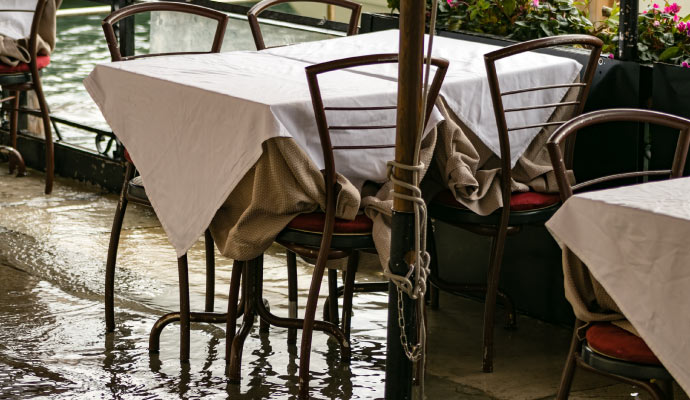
[[196, 124], [634, 242]]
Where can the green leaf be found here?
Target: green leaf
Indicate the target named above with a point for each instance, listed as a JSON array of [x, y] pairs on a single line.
[[669, 53]]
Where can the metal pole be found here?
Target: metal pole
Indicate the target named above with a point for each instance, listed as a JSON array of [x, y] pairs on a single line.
[[627, 34], [398, 367]]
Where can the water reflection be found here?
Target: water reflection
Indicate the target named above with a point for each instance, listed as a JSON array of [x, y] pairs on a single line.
[[52, 332]]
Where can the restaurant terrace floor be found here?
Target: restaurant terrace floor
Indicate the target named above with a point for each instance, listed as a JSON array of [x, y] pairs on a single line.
[[53, 342]]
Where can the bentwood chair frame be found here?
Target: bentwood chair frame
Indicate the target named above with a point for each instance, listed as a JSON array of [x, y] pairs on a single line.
[[502, 222], [325, 244], [22, 82], [330, 310], [133, 191], [581, 354], [253, 16]]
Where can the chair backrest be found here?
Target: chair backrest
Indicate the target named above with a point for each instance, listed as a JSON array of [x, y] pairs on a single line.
[[593, 43], [33, 33], [313, 72], [616, 115], [253, 14], [110, 20]]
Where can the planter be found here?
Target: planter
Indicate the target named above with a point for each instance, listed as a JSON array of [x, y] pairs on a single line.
[[670, 94]]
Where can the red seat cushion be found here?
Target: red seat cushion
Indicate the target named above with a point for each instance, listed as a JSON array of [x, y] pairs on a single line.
[[41, 62], [523, 201], [314, 222], [615, 342]]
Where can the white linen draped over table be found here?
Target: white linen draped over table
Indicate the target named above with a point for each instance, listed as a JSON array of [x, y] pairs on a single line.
[[466, 88], [634, 241], [194, 124], [17, 25]]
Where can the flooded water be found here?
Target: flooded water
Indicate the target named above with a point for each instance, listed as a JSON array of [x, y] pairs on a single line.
[[52, 332]]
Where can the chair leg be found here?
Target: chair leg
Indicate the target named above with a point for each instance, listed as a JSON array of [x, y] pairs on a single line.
[[498, 245], [185, 339], [45, 115], [15, 160], [348, 292], [292, 294], [210, 271], [570, 365], [14, 123], [112, 252], [308, 328], [333, 296], [249, 297], [233, 302]]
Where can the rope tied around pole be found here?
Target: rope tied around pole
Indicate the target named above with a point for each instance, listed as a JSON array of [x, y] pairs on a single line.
[[418, 270]]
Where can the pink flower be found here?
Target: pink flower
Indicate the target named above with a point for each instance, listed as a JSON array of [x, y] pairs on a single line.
[[535, 3], [656, 23], [682, 26], [644, 12], [655, 5], [685, 64], [611, 55], [675, 18], [672, 9]]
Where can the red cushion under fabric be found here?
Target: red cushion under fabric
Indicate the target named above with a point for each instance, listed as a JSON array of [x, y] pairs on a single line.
[[615, 342], [518, 201], [314, 222], [41, 62]]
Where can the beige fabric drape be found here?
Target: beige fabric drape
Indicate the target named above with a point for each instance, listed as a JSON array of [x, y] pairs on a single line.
[[13, 52], [282, 184]]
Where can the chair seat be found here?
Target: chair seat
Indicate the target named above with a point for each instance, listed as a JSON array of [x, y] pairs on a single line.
[[314, 222], [136, 191], [615, 342], [307, 229], [526, 207], [41, 62]]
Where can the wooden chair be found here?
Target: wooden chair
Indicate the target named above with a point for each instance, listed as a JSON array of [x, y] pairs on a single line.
[[330, 311], [133, 189], [258, 8], [319, 236], [21, 78], [524, 208], [605, 348]]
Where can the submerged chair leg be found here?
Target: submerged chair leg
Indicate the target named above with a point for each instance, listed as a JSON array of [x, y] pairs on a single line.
[[185, 330], [498, 244], [233, 303], [14, 123], [348, 292], [292, 294], [112, 252], [308, 327], [249, 297], [332, 297], [15, 160], [45, 115], [210, 271]]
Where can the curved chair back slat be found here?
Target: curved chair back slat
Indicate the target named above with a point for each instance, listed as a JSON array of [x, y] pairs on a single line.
[[617, 115], [253, 15], [113, 18], [490, 59], [313, 72]]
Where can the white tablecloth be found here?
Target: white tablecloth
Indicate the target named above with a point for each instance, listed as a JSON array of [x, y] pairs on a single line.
[[16, 25], [634, 240], [194, 124], [466, 88]]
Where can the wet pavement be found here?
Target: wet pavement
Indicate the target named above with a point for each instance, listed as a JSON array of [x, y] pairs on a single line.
[[53, 342]]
